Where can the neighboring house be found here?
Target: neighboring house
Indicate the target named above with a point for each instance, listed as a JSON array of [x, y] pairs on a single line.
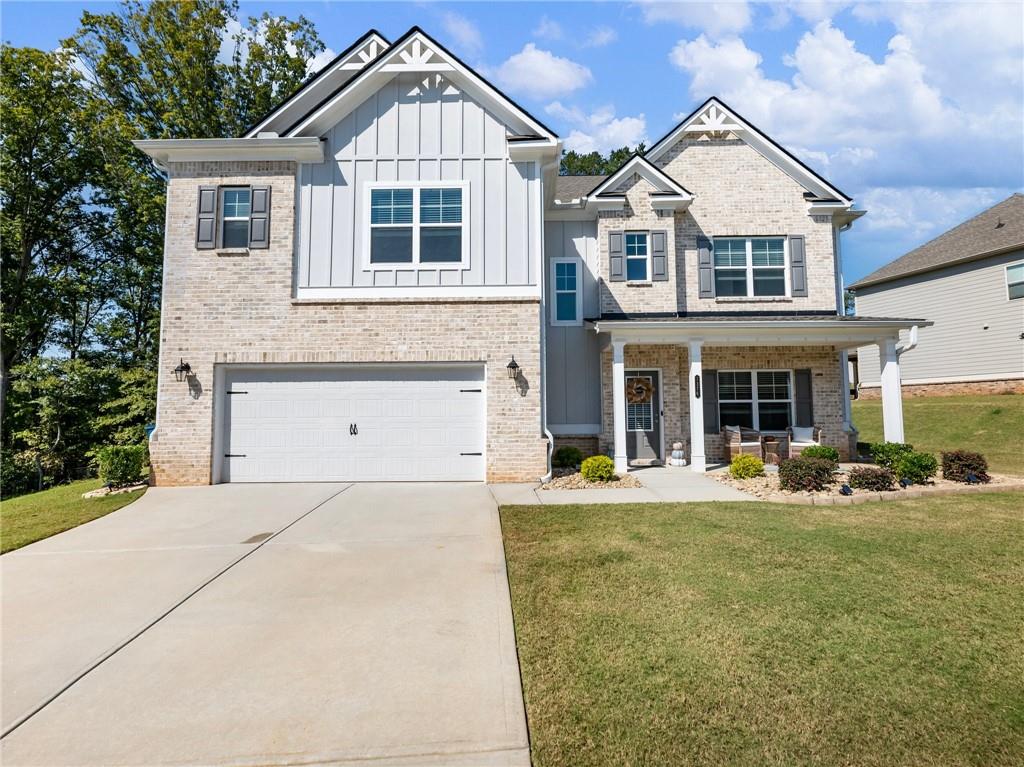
[[970, 282], [387, 280]]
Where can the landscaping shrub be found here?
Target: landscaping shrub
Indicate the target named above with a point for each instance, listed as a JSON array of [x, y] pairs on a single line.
[[872, 478], [18, 474], [821, 451], [888, 453], [957, 464], [598, 468], [806, 474], [746, 466], [122, 464], [916, 467], [567, 457]]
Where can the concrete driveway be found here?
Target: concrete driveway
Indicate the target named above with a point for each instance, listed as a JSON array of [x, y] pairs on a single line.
[[266, 624]]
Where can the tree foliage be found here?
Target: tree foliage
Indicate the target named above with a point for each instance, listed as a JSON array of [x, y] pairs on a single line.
[[595, 163]]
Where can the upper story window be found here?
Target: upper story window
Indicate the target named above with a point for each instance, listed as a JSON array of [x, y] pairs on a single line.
[[233, 217], [416, 225], [566, 306], [1015, 281], [236, 207], [755, 399], [637, 257], [750, 266]]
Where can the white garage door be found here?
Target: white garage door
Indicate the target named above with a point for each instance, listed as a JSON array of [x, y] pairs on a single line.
[[355, 423]]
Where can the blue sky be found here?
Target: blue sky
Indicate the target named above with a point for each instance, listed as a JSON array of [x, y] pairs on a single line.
[[915, 109]]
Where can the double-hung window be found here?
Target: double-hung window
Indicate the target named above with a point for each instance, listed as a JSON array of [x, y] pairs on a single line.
[[236, 208], [416, 225], [638, 267], [1015, 281], [566, 304], [755, 399], [750, 266]]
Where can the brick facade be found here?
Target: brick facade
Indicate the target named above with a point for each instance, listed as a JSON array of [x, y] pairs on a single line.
[[951, 389], [226, 308]]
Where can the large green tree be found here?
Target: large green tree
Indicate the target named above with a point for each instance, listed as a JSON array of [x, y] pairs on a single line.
[[595, 163]]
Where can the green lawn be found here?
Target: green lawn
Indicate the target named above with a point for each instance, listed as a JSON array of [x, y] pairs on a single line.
[[30, 518], [760, 634], [992, 425]]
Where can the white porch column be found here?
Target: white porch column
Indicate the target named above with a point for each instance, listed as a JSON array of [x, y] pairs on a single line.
[[697, 461], [619, 404], [844, 382], [892, 394]]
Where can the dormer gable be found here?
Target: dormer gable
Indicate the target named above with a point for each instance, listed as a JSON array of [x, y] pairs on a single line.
[[667, 194]]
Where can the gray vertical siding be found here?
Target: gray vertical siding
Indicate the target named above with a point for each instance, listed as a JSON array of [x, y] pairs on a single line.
[[977, 328], [573, 354], [408, 132]]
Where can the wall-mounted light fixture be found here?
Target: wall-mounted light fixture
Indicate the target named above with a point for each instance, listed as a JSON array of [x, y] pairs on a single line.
[[696, 387], [182, 371], [513, 368]]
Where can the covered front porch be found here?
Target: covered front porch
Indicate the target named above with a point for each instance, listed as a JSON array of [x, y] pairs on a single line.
[[680, 379]]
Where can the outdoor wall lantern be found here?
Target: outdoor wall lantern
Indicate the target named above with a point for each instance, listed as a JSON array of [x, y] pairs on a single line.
[[513, 368], [696, 387], [183, 371]]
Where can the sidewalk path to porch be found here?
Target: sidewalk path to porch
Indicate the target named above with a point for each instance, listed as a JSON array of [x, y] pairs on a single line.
[[661, 484]]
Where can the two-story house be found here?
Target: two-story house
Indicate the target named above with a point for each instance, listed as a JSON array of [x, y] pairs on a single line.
[[386, 279]]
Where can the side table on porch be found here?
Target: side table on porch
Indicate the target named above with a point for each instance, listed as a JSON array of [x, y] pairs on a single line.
[[770, 450]]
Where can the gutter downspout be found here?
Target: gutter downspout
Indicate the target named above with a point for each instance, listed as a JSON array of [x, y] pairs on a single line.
[[902, 349], [544, 327]]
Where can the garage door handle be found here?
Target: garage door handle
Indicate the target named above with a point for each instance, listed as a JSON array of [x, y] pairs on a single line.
[[234, 455], [470, 453], [470, 391]]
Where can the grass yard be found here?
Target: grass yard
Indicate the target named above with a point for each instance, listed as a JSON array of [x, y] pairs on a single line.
[[30, 518], [759, 634], [991, 424]]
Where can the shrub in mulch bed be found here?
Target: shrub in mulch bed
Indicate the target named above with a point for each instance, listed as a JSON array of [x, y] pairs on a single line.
[[810, 474], [874, 478], [746, 467], [567, 457], [957, 464], [821, 451], [598, 468], [886, 454], [916, 467]]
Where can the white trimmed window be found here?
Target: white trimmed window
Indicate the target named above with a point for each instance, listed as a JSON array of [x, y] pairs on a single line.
[[755, 399], [638, 257], [567, 296], [751, 266], [1015, 281], [417, 224], [235, 210]]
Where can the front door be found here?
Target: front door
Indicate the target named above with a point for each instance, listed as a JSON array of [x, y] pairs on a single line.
[[643, 415]]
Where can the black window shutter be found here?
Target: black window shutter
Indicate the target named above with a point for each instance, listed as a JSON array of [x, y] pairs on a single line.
[[259, 218], [797, 266], [206, 218], [616, 258], [659, 256], [803, 400], [709, 395], [705, 269]]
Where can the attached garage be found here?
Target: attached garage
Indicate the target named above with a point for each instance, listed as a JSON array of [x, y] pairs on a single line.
[[352, 423]]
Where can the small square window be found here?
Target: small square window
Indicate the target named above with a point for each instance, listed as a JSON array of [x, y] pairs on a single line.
[[1015, 281]]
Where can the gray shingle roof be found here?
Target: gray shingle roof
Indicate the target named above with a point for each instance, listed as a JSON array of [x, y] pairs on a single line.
[[568, 188], [999, 228]]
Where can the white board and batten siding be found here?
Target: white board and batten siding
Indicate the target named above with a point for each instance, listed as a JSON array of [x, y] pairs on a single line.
[[418, 128], [977, 330], [573, 351]]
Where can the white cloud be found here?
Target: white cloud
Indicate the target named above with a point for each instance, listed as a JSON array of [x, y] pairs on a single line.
[[600, 37], [599, 131], [541, 74], [321, 60], [465, 35], [548, 29], [713, 18]]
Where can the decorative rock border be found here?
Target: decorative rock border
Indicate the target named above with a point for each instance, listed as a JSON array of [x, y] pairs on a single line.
[[891, 495]]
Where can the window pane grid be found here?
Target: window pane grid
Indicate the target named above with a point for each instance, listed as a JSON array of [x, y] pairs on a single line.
[[768, 252], [640, 416], [391, 206], [636, 244], [410, 225], [441, 206], [770, 410], [1015, 281], [236, 203]]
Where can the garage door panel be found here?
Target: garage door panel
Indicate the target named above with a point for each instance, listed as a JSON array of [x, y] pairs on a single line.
[[293, 424]]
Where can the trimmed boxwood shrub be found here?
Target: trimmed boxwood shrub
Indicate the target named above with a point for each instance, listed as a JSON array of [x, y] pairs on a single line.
[[746, 466], [567, 457], [916, 467], [957, 464], [821, 451], [872, 478], [888, 453], [122, 464], [810, 474], [598, 468]]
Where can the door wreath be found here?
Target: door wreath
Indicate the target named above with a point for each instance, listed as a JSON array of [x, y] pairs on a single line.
[[639, 390]]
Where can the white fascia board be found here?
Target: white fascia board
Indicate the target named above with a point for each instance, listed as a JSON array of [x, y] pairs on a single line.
[[541, 149], [163, 151], [649, 172], [605, 203], [670, 202]]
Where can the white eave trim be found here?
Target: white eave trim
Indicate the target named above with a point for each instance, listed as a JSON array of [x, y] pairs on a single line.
[[647, 171], [541, 149], [164, 151]]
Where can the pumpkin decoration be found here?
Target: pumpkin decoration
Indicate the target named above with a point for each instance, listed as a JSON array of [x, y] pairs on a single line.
[[639, 390]]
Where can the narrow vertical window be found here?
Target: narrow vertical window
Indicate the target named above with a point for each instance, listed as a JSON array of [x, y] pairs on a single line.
[[730, 267], [391, 225], [1015, 281], [637, 257], [236, 208], [566, 304]]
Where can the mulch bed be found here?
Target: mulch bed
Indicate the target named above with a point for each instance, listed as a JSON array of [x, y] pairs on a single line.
[[571, 479]]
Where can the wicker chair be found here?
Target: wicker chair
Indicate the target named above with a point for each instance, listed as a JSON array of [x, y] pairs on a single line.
[[740, 440], [796, 442]]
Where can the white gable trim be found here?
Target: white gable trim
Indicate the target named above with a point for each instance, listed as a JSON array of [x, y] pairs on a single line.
[[334, 75], [653, 175], [417, 52], [715, 118]]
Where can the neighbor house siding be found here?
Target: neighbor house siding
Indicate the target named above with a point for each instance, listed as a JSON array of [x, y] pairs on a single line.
[[976, 335], [418, 128]]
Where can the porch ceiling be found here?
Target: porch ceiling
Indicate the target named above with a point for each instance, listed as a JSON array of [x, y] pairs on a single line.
[[825, 330]]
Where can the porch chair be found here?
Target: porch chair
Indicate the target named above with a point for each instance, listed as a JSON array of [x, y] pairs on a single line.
[[740, 440], [799, 437]]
